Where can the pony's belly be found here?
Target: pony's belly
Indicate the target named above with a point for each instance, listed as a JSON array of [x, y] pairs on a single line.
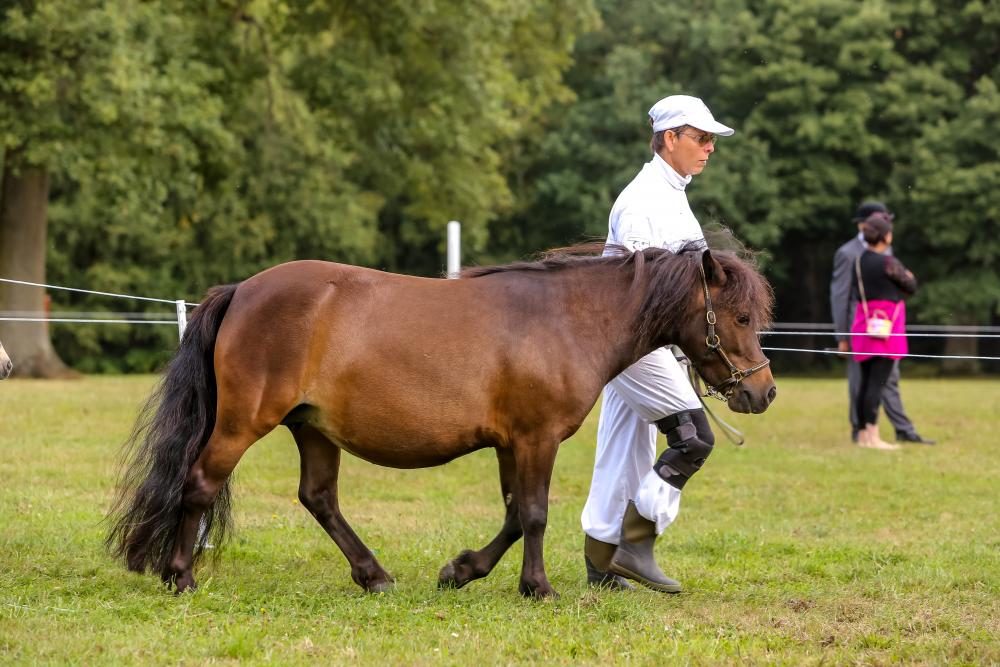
[[397, 437], [407, 455]]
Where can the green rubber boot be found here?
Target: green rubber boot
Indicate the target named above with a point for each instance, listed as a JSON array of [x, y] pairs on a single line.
[[597, 557], [633, 559]]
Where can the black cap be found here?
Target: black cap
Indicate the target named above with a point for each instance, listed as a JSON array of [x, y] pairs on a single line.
[[869, 207]]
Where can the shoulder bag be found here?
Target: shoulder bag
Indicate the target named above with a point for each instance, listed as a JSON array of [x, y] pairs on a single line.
[[878, 324]]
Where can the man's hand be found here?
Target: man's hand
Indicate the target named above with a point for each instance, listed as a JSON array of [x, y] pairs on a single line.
[[843, 346]]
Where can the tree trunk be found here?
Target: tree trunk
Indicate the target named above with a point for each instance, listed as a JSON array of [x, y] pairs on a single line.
[[24, 200], [962, 347]]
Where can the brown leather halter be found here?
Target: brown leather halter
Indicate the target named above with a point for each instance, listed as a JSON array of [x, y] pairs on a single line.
[[724, 390]]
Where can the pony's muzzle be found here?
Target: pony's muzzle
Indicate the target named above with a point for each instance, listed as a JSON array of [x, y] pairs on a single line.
[[753, 400]]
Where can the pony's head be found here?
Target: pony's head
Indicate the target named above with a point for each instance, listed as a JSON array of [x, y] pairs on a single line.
[[6, 366], [712, 304], [735, 301]]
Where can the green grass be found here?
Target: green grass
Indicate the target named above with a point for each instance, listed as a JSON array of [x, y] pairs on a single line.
[[796, 549]]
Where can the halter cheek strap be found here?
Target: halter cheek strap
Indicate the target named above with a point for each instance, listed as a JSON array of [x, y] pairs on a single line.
[[724, 390]]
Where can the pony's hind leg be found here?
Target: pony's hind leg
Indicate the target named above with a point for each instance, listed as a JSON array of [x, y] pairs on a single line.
[[470, 565], [318, 493], [207, 478]]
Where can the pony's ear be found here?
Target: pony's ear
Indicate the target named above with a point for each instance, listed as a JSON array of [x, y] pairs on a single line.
[[714, 273]]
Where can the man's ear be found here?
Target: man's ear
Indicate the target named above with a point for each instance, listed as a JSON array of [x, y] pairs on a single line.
[[714, 273], [670, 138]]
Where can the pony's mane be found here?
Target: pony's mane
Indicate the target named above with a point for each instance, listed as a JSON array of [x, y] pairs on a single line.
[[664, 305], [746, 288], [588, 253]]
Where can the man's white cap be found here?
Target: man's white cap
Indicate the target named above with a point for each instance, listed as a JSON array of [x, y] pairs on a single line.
[[677, 110]]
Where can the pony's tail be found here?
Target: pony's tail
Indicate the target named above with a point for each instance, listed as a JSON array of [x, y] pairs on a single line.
[[169, 434]]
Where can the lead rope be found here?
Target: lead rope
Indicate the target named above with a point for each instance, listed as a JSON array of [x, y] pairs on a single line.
[[733, 434]]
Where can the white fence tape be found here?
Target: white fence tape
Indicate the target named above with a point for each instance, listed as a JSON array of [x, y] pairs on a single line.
[[86, 320], [87, 291], [908, 334], [180, 305], [852, 354], [778, 329]]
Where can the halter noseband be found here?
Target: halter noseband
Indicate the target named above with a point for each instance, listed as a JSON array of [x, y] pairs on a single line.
[[724, 390]]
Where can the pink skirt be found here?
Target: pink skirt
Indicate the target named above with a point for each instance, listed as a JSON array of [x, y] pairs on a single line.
[[894, 347]]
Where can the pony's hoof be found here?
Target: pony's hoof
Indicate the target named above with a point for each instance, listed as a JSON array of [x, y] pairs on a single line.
[[458, 572], [381, 587], [184, 582], [544, 592], [448, 578]]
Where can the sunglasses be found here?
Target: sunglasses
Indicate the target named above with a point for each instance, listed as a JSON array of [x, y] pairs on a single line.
[[702, 139]]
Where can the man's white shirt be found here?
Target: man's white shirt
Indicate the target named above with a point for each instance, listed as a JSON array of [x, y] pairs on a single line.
[[653, 210]]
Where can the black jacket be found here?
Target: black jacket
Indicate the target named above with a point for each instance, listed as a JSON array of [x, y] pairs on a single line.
[[884, 277]]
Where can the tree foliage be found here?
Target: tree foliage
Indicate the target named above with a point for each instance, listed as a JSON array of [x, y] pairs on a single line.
[[834, 102], [195, 143]]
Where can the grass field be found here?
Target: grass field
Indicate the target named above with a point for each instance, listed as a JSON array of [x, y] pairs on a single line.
[[796, 549]]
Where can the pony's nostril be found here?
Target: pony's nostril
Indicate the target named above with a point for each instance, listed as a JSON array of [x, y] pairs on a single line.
[[772, 392]]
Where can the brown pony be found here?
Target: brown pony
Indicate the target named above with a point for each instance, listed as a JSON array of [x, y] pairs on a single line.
[[6, 365], [413, 372]]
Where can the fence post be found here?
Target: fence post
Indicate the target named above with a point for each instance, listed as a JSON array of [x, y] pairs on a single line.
[[182, 318], [454, 248]]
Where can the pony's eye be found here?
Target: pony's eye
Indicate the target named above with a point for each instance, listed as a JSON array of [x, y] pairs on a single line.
[[743, 320]]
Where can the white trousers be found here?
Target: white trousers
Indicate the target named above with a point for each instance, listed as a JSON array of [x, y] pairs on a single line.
[[650, 389]]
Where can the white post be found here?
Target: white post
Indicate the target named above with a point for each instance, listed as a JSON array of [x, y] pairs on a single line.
[[454, 248], [182, 318]]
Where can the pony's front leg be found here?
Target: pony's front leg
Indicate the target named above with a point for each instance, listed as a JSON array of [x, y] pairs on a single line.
[[534, 472], [470, 565]]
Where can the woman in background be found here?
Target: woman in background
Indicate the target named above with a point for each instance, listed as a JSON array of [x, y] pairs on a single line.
[[880, 286]]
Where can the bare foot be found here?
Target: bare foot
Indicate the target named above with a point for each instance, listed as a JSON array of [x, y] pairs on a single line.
[[882, 444], [870, 439]]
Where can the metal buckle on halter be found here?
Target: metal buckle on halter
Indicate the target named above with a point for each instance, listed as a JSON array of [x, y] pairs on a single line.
[[712, 392], [724, 390]]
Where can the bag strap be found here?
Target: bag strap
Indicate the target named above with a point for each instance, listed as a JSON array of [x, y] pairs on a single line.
[[861, 288], [895, 311]]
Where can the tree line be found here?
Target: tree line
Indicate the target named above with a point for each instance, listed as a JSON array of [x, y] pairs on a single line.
[[160, 147]]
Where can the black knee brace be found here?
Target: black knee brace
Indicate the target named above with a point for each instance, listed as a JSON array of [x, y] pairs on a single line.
[[691, 441]]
